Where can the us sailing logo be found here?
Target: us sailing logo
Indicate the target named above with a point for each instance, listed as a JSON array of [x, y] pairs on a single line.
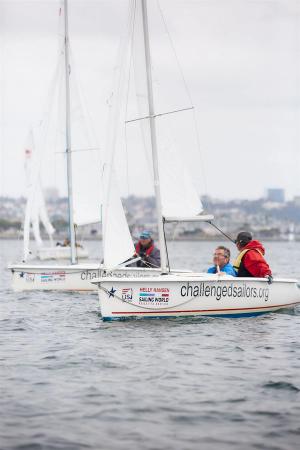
[[127, 294]]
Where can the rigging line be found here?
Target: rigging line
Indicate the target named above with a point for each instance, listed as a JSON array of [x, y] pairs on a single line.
[[144, 128], [75, 234], [82, 150], [114, 115], [166, 247], [161, 114], [90, 130], [60, 22], [175, 54], [39, 148], [132, 26], [188, 94], [83, 234], [174, 231], [198, 145], [58, 142], [48, 107], [222, 232]]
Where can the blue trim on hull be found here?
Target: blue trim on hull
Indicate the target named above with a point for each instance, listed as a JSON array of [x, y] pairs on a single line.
[[223, 316]]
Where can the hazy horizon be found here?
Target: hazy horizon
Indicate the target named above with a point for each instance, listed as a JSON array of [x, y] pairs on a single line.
[[240, 60]]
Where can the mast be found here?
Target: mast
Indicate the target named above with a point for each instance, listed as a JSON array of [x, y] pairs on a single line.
[[161, 236], [68, 137]]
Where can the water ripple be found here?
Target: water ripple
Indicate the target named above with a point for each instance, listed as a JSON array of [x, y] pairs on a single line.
[[281, 385], [68, 381]]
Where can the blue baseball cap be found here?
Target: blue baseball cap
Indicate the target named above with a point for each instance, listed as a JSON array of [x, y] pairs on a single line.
[[145, 235]]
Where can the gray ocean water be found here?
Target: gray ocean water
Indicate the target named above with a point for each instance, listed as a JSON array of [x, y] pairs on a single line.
[[69, 381]]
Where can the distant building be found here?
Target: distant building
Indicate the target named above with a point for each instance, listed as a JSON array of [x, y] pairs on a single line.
[[275, 195], [297, 200]]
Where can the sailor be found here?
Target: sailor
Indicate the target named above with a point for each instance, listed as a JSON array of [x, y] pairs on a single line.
[[250, 261], [66, 243], [148, 252], [221, 262]]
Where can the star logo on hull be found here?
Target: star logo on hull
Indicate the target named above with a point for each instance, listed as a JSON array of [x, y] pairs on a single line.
[[112, 292]]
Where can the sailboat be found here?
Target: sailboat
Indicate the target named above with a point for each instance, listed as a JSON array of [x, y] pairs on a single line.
[[185, 294], [82, 208], [86, 205], [36, 213]]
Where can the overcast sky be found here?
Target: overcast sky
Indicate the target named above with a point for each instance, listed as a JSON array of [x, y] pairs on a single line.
[[240, 60]]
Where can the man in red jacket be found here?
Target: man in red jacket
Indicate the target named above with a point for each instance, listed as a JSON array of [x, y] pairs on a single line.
[[250, 261], [148, 252]]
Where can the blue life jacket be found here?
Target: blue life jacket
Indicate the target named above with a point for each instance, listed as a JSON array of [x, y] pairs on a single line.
[[228, 268]]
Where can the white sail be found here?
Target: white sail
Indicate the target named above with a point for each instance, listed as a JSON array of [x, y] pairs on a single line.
[[178, 199], [35, 206], [43, 215], [29, 193], [87, 192], [86, 159], [117, 241]]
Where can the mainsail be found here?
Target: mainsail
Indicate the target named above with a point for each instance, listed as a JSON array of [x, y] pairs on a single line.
[[46, 145], [117, 241], [178, 199], [36, 211]]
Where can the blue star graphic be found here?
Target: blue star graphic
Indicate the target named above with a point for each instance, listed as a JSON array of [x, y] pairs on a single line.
[[21, 274], [112, 292]]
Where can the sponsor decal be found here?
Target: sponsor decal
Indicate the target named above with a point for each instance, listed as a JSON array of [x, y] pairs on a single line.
[[226, 291], [154, 295], [89, 274], [125, 274], [127, 294], [53, 277], [29, 277]]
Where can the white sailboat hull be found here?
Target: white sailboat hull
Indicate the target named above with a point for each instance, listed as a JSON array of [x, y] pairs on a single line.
[[60, 253], [77, 277], [193, 295]]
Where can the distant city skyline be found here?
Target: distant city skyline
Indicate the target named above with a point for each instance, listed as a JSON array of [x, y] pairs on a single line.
[[240, 61], [274, 194]]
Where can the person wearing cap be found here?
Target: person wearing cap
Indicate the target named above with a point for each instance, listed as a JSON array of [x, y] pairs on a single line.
[[250, 261], [221, 262], [148, 252]]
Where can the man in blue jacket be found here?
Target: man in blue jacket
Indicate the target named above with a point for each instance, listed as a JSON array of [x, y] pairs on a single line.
[[221, 262]]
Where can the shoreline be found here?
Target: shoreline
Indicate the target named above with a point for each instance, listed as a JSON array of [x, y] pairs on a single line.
[[177, 239]]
